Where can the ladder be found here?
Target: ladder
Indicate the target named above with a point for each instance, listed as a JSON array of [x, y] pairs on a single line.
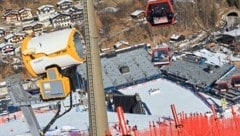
[[90, 89]]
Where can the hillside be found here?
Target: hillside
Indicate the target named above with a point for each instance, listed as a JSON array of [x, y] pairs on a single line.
[[203, 15]]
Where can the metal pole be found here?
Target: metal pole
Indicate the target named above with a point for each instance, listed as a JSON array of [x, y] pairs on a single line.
[[20, 98], [31, 120], [98, 122], [122, 121]]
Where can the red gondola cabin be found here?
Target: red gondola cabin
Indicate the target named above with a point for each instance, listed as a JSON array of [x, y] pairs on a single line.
[[161, 56], [160, 12]]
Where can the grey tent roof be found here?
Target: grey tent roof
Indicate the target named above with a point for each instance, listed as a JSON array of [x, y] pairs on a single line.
[[196, 74], [137, 59]]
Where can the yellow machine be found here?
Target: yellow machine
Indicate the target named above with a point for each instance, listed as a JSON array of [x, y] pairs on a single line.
[[50, 56], [53, 57]]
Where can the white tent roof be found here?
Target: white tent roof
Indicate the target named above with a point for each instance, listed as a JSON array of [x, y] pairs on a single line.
[[170, 93]]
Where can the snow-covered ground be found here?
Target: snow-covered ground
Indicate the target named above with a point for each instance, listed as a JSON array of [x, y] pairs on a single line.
[[169, 93], [77, 120], [217, 58], [217, 101], [158, 102]]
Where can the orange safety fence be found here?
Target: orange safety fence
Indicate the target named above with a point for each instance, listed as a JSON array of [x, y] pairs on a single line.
[[2, 120], [196, 124], [12, 116], [15, 115], [183, 124]]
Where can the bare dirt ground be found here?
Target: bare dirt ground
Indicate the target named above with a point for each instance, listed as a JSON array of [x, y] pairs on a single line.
[[188, 22], [143, 33]]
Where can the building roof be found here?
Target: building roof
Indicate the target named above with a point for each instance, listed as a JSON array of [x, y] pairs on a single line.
[[32, 24], [11, 11], [63, 1], [120, 43], [56, 14], [3, 45], [24, 9], [177, 37], [9, 36], [202, 75], [74, 9], [45, 6], [136, 13], [228, 76], [217, 58], [234, 33], [20, 34], [136, 59]]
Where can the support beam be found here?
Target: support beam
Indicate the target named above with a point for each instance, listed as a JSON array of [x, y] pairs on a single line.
[[21, 98]]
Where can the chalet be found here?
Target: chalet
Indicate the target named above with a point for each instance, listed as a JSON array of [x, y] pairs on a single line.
[[25, 14], [34, 28], [76, 14], [11, 16], [64, 4], [60, 20], [38, 28], [228, 86], [2, 31], [7, 48], [28, 29], [14, 37], [44, 11]]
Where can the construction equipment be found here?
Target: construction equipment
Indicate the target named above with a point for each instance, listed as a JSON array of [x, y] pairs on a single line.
[[49, 56], [52, 58]]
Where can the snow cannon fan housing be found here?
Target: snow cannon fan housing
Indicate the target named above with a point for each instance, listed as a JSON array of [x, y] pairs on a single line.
[[46, 56]]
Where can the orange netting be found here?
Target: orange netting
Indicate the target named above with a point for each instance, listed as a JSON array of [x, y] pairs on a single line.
[[193, 125]]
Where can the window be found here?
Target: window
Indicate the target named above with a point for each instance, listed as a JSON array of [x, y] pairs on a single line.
[[124, 69]]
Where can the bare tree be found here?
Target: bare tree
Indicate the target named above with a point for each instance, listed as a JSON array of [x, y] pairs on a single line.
[[237, 48], [107, 20], [231, 2]]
